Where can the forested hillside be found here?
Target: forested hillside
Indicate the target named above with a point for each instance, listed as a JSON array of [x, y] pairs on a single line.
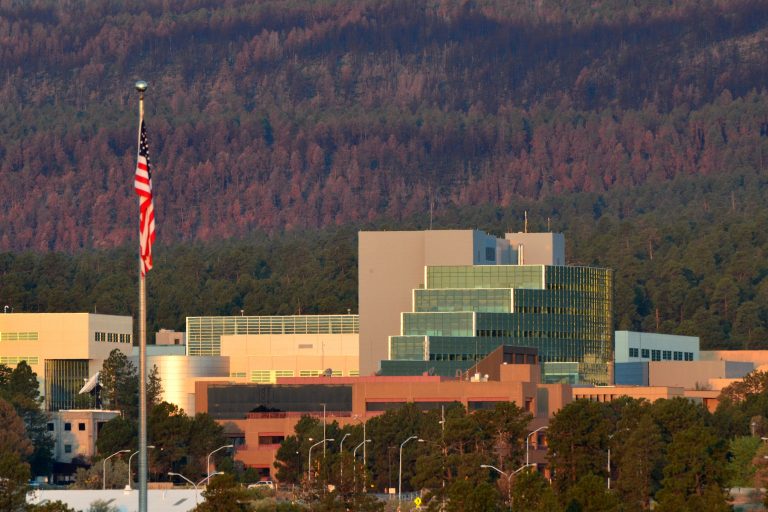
[[273, 115], [689, 255]]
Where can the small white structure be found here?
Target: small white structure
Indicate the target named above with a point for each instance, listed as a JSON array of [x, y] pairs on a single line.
[[631, 347], [172, 500]]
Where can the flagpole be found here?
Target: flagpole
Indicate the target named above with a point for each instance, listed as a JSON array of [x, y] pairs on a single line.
[[141, 86]]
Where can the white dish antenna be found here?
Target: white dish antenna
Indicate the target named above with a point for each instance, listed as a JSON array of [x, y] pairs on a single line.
[[90, 384]]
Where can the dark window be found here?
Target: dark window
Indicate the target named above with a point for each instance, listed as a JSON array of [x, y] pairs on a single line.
[[236, 401], [383, 406], [481, 405], [67, 426], [50, 427], [646, 353], [633, 352], [81, 426], [655, 355], [67, 448], [271, 439], [490, 254]]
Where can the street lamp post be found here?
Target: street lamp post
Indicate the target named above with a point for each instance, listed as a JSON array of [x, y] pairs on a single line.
[[527, 460], [354, 459], [196, 485], [610, 436], [104, 468], [362, 420], [400, 470], [208, 459], [341, 457], [309, 461], [128, 487], [509, 478]]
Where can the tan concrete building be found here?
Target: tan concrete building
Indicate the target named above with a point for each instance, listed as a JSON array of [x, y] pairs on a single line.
[[392, 264], [697, 374], [75, 432], [707, 398], [759, 358], [168, 337], [262, 358], [63, 349]]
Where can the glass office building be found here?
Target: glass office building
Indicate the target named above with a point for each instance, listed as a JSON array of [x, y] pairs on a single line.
[[204, 332], [465, 312]]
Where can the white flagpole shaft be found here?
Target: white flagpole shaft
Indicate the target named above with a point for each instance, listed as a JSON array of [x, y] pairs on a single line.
[[142, 365]]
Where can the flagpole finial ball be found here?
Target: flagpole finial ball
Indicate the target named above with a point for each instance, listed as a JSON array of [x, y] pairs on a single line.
[[141, 86]]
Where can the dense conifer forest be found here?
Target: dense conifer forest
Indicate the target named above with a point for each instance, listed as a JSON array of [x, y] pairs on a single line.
[[278, 129], [689, 255], [265, 116]]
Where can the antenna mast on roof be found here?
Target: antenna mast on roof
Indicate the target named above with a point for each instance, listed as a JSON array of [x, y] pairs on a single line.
[[525, 228]]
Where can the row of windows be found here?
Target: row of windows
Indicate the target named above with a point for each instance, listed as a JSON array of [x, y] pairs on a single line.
[[270, 376], [111, 337], [456, 357], [576, 334], [14, 360], [67, 427], [18, 336], [661, 355], [473, 405]]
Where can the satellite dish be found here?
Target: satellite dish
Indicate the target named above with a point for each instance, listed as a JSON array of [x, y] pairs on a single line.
[[328, 372], [90, 384]]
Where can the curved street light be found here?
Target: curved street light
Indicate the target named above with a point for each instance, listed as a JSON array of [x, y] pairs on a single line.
[[354, 465], [195, 485], [104, 468], [527, 461], [208, 459], [400, 471], [128, 486], [309, 462], [341, 458], [509, 478]]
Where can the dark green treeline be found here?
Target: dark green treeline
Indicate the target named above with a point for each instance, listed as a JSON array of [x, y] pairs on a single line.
[[689, 259]]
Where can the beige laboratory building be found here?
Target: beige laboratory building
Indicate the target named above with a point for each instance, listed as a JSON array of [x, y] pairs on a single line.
[[63, 349]]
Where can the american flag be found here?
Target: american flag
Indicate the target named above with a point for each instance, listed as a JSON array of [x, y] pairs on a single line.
[[143, 185]]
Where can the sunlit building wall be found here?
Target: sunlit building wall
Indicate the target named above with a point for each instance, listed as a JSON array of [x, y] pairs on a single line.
[[204, 332], [178, 373], [63, 349], [263, 358]]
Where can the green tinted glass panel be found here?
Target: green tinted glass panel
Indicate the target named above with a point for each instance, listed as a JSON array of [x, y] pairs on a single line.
[[569, 321], [486, 276], [498, 300], [408, 347], [438, 324]]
